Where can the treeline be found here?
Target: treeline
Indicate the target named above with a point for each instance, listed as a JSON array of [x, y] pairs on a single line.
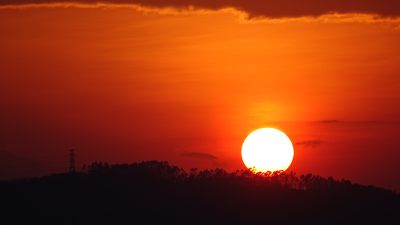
[[163, 171], [155, 192]]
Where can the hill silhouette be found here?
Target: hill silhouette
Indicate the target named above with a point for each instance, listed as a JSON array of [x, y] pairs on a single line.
[[155, 192]]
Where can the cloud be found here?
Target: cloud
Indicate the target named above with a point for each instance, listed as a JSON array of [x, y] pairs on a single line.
[[328, 121], [206, 156], [255, 8], [351, 121], [310, 143], [199, 155]]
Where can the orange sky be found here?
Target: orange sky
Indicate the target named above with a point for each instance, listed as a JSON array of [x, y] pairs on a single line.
[[123, 84]]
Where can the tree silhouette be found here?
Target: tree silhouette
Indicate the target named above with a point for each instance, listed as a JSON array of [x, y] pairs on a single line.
[[155, 192]]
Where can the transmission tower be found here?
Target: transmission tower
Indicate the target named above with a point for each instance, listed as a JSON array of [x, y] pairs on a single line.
[[72, 160]]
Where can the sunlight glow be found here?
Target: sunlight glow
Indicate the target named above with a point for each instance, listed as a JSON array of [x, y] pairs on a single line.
[[267, 149]]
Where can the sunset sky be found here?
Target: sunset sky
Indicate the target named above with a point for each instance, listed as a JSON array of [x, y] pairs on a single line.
[[187, 81]]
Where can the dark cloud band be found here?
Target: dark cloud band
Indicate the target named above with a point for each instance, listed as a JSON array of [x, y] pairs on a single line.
[[257, 8], [310, 143], [199, 155]]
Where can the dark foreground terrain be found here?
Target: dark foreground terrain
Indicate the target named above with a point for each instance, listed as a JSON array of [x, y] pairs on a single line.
[[156, 193]]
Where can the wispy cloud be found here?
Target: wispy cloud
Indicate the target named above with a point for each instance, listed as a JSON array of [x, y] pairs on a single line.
[[253, 9], [310, 143], [351, 121], [328, 121], [199, 155]]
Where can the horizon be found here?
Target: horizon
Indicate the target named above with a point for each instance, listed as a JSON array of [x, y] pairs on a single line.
[[83, 169], [155, 192]]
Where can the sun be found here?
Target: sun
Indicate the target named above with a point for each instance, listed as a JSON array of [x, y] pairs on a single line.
[[267, 149]]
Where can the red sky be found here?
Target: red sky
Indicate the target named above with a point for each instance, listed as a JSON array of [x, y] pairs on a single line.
[[122, 82]]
